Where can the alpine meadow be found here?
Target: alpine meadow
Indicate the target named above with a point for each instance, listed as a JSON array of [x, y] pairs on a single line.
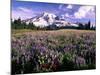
[[52, 37]]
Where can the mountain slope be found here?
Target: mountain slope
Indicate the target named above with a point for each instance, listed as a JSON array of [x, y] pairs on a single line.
[[47, 19]]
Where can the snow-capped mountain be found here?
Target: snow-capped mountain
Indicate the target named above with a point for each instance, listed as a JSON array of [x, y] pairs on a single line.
[[42, 20], [47, 19]]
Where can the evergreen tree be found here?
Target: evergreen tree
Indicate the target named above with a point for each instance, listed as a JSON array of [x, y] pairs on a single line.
[[17, 24], [88, 25], [31, 26], [81, 26]]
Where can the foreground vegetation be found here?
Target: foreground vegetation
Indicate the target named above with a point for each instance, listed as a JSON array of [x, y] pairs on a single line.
[[50, 51]]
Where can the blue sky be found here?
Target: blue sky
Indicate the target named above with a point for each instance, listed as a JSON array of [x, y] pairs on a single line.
[[71, 12]]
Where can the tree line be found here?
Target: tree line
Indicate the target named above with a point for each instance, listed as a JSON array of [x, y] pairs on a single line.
[[19, 24], [86, 26]]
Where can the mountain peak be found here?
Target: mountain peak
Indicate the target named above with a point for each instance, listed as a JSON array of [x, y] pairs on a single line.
[[47, 19]]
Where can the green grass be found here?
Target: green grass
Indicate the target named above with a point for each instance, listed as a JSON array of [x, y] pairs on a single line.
[[68, 31]]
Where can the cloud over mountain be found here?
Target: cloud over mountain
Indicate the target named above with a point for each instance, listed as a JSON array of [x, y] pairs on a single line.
[[85, 11], [22, 12], [69, 6]]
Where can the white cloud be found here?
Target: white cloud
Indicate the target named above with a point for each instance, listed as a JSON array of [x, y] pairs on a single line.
[[69, 6], [60, 6], [65, 7], [85, 11], [22, 12], [25, 9], [67, 15]]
